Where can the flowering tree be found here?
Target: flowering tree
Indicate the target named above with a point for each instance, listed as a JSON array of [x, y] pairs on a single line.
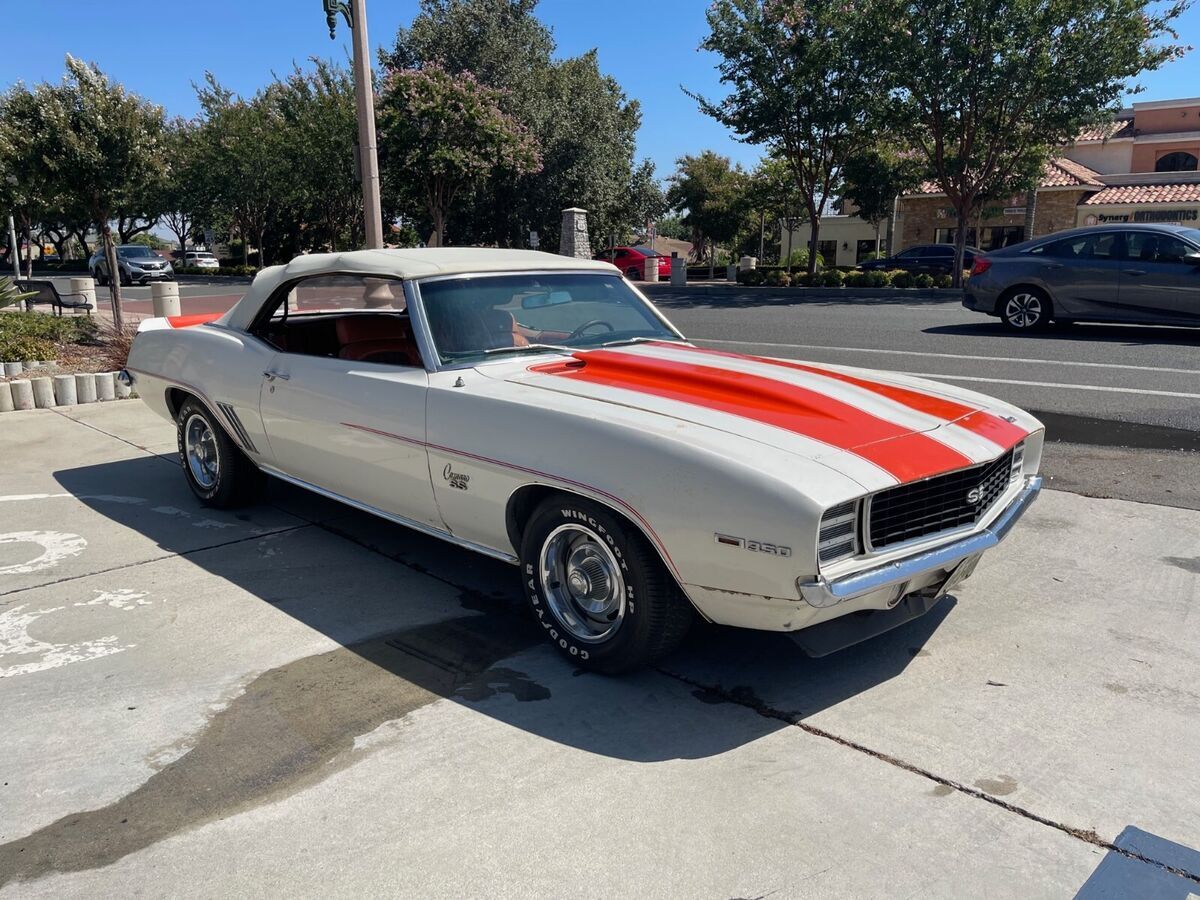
[[441, 133]]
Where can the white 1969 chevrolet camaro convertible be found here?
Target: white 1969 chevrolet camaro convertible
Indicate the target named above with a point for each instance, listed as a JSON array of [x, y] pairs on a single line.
[[540, 410]]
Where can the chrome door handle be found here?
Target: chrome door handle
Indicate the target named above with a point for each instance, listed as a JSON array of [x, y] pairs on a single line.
[[1134, 272], [271, 376]]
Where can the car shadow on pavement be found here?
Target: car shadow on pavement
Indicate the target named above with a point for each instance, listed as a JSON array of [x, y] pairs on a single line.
[[483, 648], [1127, 335]]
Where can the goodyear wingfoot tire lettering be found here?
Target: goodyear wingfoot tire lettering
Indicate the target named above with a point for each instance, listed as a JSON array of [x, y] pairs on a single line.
[[598, 590], [218, 473]]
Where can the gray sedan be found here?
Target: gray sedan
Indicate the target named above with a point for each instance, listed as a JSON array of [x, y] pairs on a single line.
[[1142, 274]]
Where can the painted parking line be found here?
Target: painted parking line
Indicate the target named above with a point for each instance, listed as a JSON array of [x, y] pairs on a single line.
[[1104, 389], [1012, 359]]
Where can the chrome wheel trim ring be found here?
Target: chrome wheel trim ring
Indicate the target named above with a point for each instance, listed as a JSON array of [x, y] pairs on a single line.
[[200, 450], [1023, 310], [582, 583]]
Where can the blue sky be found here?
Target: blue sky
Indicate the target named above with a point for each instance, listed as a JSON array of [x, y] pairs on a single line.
[[159, 50]]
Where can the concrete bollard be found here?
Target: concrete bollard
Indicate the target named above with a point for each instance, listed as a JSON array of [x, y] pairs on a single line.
[[164, 297], [678, 270], [6, 400], [13, 368], [748, 262], [22, 394], [85, 388], [651, 269], [105, 389], [123, 390], [731, 273], [43, 393], [64, 390], [84, 289]]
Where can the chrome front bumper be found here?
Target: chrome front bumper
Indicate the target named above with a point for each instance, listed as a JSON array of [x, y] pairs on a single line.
[[823, 594]]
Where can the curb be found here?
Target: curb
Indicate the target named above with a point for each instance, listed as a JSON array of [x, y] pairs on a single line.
[[51, 391]]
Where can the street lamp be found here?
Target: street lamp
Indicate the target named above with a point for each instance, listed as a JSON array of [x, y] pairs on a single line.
[[355, 14]]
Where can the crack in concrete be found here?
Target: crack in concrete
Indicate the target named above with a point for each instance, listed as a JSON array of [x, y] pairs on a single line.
[[744, 698], [172, 460]]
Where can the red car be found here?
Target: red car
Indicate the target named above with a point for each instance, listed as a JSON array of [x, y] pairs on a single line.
[[632, 261]]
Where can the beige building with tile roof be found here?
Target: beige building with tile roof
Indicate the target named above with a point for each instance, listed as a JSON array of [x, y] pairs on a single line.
[[1141, 167]]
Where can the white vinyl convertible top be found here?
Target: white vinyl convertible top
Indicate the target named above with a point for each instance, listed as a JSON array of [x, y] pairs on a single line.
[[424, 262]]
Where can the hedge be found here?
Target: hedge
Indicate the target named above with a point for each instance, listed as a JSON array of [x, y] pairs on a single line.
[[896, 278]]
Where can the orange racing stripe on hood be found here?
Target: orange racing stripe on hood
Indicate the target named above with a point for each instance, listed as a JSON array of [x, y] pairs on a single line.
[[980, 422], [905, 454]]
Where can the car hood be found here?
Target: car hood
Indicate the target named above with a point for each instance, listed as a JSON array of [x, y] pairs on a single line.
[[901, 428]]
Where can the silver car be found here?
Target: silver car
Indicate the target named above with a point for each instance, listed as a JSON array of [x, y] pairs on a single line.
[[1141, 274], [135, 262]]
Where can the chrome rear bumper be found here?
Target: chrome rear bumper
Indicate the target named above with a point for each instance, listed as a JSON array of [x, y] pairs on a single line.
[[823, 593]]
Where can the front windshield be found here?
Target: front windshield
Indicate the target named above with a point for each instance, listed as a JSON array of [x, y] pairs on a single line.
[[475, 318], [134, 253]]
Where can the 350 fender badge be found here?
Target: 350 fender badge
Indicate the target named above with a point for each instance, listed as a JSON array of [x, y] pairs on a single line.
[[754, 546], [456, 479]]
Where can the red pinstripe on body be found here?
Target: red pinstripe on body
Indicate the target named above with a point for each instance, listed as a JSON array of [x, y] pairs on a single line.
[[905, 454]]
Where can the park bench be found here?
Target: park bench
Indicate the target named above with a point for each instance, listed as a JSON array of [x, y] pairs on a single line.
[[47, 294]]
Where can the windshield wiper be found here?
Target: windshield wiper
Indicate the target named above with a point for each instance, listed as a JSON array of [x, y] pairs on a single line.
[[640, 340], [524, 348]]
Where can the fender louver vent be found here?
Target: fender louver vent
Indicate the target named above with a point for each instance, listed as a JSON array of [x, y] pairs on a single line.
[[239, 430]]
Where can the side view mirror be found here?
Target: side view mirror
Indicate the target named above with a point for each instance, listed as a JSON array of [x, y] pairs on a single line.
[[1192, 259]]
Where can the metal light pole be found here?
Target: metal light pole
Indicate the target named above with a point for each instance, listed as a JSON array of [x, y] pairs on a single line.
[[16, 254], [355, 14]]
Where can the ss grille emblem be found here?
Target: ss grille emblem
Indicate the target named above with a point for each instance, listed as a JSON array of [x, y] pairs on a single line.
[[974, 496]]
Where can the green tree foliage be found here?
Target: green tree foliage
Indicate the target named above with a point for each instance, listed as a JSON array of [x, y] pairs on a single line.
[[986, 89], [776, 195], [712, 198], [875, 175], [798, 83], [583, 124], [441, 133]]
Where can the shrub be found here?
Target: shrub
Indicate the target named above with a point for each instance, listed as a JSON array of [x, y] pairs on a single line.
[[831, 278], [799, 259], [876, 278], [751, 277], [39, 326], [785, 280], [902, 279], [943, 281], [9, 295], [21, 347], [924, 281]]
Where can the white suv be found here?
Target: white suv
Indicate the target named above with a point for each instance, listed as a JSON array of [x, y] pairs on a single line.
[[200, 259]]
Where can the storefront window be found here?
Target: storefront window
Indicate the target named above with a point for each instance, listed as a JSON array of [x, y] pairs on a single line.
[[828, 252], [865, 251], [991, 238]]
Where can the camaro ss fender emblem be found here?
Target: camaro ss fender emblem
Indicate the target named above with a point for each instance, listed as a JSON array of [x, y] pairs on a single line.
[[974, 495], [456, 479], [730, 540]]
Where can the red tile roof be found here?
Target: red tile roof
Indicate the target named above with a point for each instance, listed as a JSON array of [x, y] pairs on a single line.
[[1063, 172], [1058, 172], [1146, 193], [1121, 128]]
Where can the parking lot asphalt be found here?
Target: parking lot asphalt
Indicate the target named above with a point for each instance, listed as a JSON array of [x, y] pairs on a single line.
[[299, 698], [1084, 378]]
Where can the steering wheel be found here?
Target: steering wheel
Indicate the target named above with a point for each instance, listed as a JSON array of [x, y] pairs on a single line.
[[579, 332]]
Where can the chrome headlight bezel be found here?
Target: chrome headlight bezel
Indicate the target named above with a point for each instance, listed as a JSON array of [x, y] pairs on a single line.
[[839, 534]]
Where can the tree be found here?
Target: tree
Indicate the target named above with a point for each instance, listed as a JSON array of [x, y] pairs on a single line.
[[582, 121], [774, 192], [181, 184], [102, 145], [29, 188], [799, 84], [240, 158], [875, 176], [711, 196], [986, 89], [441, 133]]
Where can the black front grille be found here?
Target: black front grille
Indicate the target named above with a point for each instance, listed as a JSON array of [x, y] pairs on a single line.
[[937, 504]]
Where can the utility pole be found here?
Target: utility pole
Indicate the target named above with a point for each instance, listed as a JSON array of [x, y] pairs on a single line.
[[355, 14]]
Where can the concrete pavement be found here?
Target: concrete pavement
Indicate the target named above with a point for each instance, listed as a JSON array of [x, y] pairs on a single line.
[[300, 698]]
